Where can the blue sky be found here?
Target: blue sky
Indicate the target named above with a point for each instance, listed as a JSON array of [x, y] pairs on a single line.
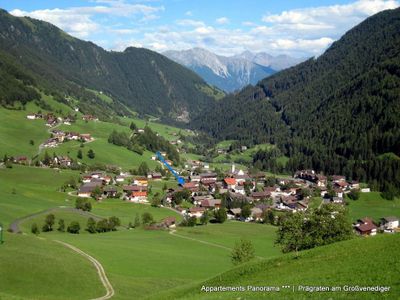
[[298, 28]]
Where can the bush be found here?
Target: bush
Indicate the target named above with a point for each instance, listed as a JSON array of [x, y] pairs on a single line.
[[242, 252], [74, 227], [220, 215], [83, 204], [35, 229], [91, 225], [354, 194], [147, 218]]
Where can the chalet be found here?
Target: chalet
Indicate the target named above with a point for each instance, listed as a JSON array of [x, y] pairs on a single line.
[[156, 176], [191, 186], [142, 181], [64, 161], [338, 178], [208, 181], [51, 143], [86, 137], [389, 223], [89, 118], [196, 211], [256, 213], [72, 136], [271, 189], [51, 122], [208, 176], [234, 213], [140, 197], [338, 192], [110, 191], [338, 200], [120, 178], [239, 189], [321, 180], [365, 227], [342, 184], [195, 178], [31, 116], [230, 183], [67, 121], [86, 189], [260, 195], [239, 197], [20, 159], [198, 199], [134, 188], [169, 222], [288, 202], [211, 203], [354, 184]]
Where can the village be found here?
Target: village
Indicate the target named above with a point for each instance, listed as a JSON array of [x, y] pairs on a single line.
[[245, 197]]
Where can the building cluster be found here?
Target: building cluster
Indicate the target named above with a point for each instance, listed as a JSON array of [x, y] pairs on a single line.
[[50, 119], [59, 136]]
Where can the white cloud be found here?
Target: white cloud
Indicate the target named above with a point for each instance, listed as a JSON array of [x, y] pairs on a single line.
[[333, 20], [80, 21], [222, 20], [190, 22], [189, 13]]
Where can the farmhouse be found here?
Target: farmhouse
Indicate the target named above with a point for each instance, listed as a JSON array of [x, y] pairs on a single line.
[[86, 189], [169, 222], [140, 197], [389, 223], [86, 137], [64, 161], [110, 191], [196, 211], [211, 203], [365, 227], [260, 195]]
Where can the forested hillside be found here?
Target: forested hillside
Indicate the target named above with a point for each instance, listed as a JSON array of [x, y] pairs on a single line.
[[143, 80], [338, 113]]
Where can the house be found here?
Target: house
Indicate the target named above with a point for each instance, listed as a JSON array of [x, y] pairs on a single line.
[[338, 178], [20, 159], [260, 195], [110, 191], [191, 186], [211, 203], [230, 183], [85, 191], [51, 143], [156, 176], [89, 118], [86, 137], [234, 213], [365, 227], [120, 178], [338, 200], [31, 116], [354, 184], [288, 202], [140, 197], [196, 211], [209, 176], [169, 222], [72, 136], [62, 161], [140, 181], [239, 189], [195, 178], [256, 213], [389, 223]]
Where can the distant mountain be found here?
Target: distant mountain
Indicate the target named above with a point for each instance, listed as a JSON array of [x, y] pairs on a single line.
[[277, 63], [338, 113], [227, 73], [37, 53]]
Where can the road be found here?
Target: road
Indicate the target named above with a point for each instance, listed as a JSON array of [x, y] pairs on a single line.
[[100, 271], [14, 226]]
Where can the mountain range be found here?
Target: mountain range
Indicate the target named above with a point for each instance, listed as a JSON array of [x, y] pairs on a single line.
[[338, 113], [231, 73], [56, 63]]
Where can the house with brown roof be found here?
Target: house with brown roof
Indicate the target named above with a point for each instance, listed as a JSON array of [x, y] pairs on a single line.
[[365, 227], [196, 211], [211, 203]]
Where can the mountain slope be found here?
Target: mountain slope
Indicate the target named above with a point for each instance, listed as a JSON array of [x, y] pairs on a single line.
[[226, 73], [277, 63], [141, 79], [337, 113], [358, 262]]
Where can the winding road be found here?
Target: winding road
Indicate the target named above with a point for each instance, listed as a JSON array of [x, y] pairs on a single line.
[[100, 271]]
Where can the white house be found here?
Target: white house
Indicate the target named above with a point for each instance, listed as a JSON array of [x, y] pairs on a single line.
[[389, 223]]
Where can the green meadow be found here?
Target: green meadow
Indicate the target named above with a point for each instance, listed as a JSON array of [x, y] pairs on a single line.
[[360, 261], [374, 206], [33, 268]]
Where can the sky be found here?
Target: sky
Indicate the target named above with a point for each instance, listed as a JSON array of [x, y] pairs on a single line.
[[300, 28]]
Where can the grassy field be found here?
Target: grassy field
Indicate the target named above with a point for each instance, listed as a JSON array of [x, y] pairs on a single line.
[[364, 262], [33, 268], [26, 190], [227, 234], [374, 206]]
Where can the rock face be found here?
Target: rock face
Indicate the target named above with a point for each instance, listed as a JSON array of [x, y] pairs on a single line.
[[234, 72]]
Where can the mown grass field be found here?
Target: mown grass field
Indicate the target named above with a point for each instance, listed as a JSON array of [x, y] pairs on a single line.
[[27, 190], [374, 206], [33, 268], [362, 261]]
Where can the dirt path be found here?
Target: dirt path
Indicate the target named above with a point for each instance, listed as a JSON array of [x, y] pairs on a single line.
[[14, 226], [100, 271]]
